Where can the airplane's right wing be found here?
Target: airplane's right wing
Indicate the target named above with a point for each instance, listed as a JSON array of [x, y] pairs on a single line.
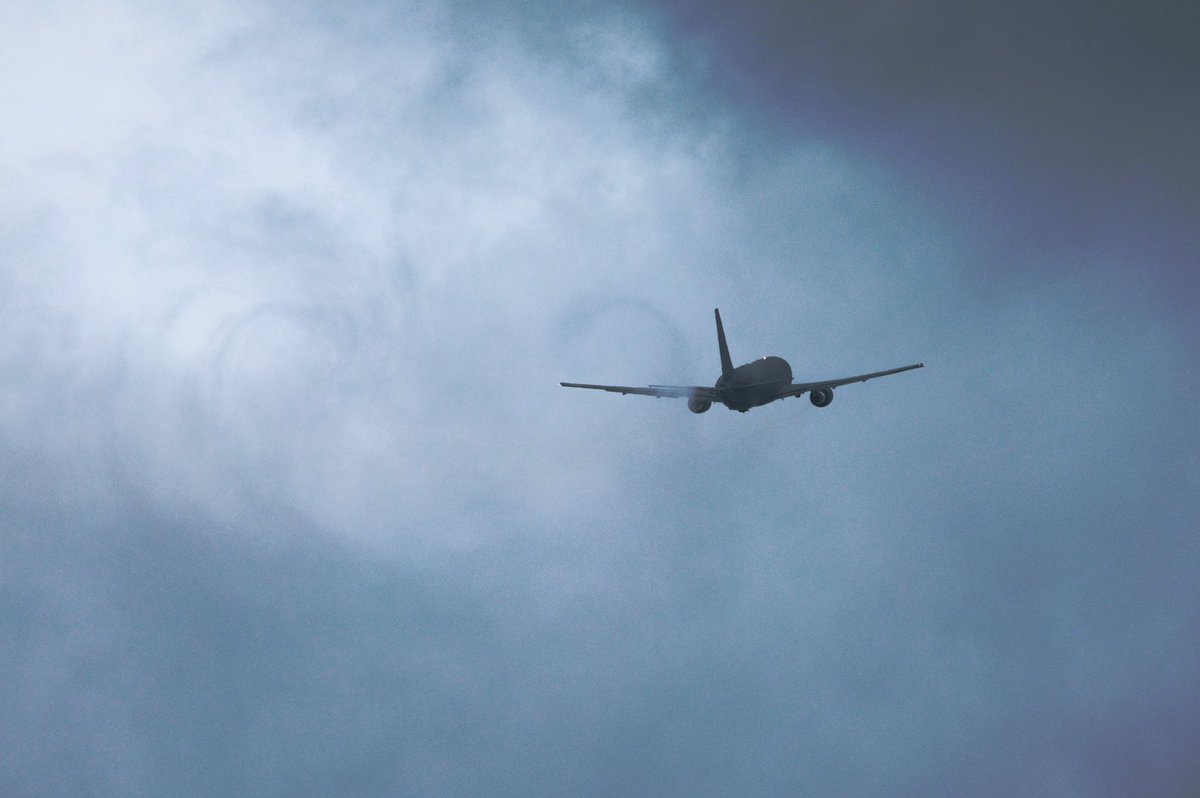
[[796, 389], [660, 391]]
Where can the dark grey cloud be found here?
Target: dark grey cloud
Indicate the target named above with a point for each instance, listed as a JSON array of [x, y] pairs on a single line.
[[1062, 129], [292, 504]]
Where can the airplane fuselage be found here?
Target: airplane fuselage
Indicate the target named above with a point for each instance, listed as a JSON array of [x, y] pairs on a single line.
[[755, 383]]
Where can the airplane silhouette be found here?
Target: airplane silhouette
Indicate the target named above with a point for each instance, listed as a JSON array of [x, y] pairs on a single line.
[[751, 385]]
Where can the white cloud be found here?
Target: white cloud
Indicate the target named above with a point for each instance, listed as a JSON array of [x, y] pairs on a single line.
[[281, 251], [333, 264]]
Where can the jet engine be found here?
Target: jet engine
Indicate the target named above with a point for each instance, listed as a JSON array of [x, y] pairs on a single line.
[[698, 405], [821, 397]]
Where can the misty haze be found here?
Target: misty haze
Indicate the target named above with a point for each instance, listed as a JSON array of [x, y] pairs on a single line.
[[293, 502]]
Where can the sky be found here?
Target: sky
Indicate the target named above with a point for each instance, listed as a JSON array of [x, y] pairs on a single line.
[[292, 502]]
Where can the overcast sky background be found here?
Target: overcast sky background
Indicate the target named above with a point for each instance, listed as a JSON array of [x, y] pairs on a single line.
[[292, 503]]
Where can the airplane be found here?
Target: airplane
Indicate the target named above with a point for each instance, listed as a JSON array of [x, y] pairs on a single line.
[[750, 385]]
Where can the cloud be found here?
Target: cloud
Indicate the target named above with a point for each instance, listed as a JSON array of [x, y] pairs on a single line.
[[294, 501], [1060, 129]]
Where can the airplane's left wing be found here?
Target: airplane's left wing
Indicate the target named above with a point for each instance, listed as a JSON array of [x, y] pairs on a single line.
[[798, 388], [661, 391]]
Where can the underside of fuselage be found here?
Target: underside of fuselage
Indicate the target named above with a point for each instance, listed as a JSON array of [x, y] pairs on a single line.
[[755, 383]]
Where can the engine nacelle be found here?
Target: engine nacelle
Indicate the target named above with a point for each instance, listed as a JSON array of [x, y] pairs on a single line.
[[821, 397], [698, 405]]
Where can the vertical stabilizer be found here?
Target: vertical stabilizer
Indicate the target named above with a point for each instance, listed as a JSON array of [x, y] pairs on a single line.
[[726, 363]]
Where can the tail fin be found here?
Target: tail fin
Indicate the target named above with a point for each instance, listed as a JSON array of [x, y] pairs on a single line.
[[726, 363]]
